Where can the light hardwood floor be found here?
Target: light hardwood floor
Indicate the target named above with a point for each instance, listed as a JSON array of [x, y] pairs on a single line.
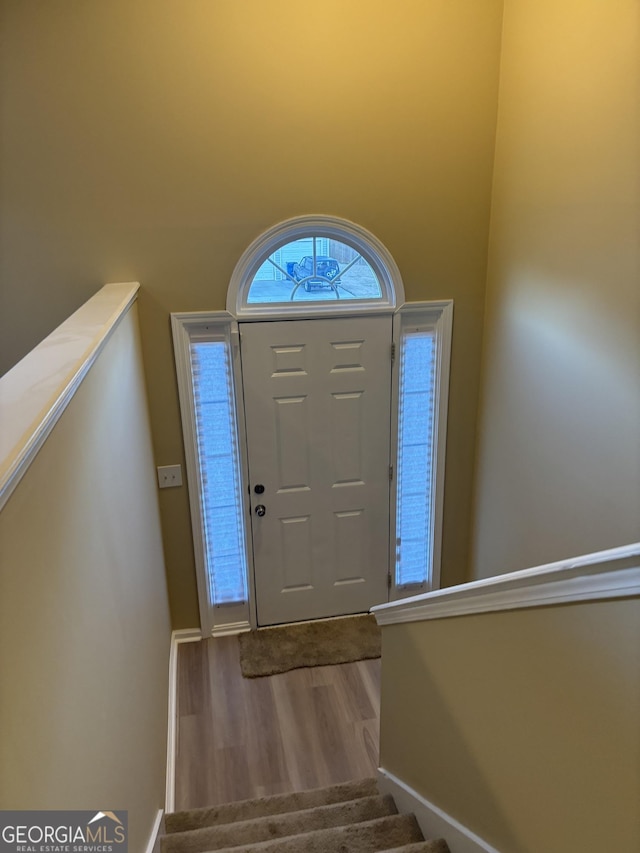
[[240, 737]]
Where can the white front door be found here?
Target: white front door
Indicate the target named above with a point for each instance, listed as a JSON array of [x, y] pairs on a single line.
[[317, 408]]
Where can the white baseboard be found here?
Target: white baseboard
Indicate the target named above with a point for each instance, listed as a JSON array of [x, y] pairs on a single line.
[[152, 843], [230, 629], [185, 635], [433, 822]]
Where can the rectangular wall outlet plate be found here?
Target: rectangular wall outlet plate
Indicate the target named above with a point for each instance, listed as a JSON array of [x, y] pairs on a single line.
[[169, 476]]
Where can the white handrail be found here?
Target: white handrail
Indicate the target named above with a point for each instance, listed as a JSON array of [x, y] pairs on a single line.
[[35, 392], [614, 573]]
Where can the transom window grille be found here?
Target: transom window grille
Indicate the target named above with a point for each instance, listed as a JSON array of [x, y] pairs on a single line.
[[314, 269], [312, 266]]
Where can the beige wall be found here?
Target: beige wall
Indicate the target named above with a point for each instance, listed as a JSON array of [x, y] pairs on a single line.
[[154, 140], [522, 725], [558, 463], [84, 621]]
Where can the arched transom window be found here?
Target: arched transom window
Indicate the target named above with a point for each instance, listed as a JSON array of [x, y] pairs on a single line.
[[314, 265]]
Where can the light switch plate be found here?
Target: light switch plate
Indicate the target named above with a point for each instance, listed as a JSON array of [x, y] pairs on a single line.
[[169, 476]]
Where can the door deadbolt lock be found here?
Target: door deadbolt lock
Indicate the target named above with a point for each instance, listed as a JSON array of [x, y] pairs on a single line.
[[258, 489], [261, 510]]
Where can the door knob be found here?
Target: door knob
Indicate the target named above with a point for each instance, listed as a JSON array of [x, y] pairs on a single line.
[[261, 510]]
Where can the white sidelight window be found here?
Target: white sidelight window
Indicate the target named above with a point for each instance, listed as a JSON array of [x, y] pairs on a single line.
[[422, 335], [219, 470], [208, 366], [414, 538]]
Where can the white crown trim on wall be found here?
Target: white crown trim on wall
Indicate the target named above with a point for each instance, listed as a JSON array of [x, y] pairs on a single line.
[[614, 573], [35, 393]]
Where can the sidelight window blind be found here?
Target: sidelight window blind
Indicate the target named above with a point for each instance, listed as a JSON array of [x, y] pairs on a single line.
[[415, 462], [219, 471]]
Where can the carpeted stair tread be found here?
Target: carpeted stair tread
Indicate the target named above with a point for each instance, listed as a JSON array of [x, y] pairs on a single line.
[[247, 832], [384, 833], [348, 818], [263, 806], [439, 845]]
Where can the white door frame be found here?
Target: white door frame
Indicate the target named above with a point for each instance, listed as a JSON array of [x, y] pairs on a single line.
[[229, 619]]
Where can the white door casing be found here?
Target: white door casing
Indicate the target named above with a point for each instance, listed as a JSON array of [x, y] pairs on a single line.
[[220, 513], [317, 410], [221, 326]]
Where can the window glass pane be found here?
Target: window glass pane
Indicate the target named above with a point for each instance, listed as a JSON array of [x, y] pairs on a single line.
[[216, 431], [314, 269], [415, 457]]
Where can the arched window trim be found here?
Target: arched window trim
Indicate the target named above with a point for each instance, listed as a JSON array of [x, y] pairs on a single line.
[[371, 249]]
